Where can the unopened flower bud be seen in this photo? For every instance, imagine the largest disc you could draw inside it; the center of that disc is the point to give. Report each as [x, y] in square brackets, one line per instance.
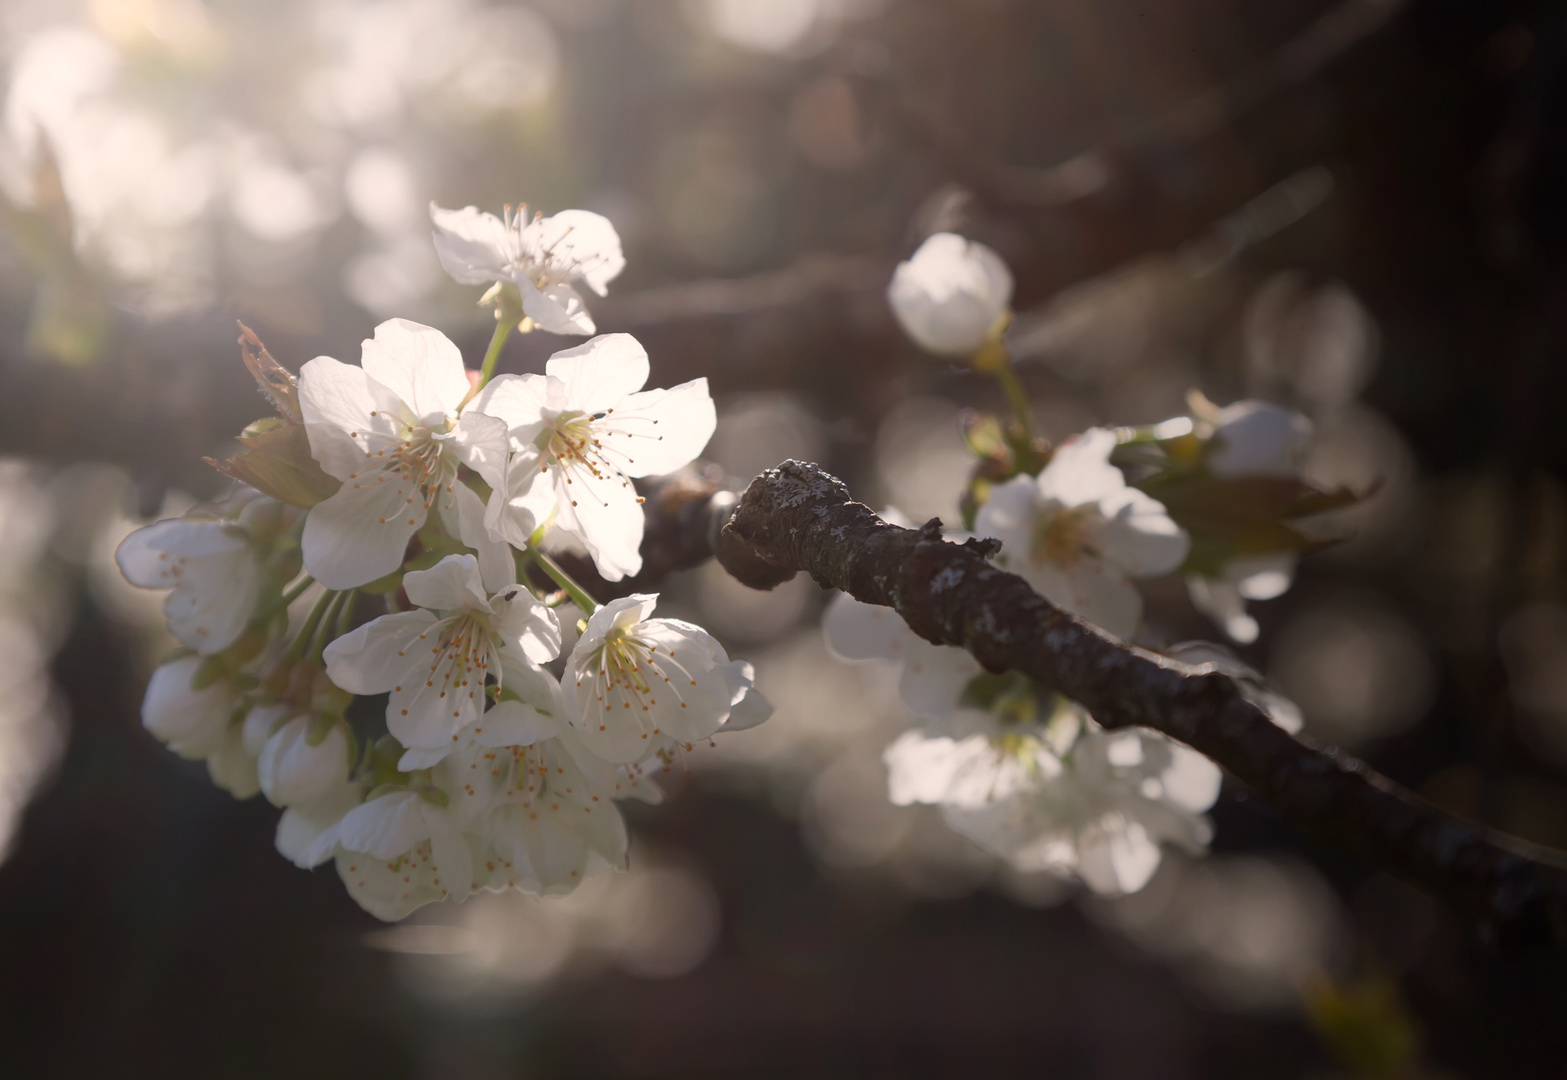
[952, 297]
[293, 771]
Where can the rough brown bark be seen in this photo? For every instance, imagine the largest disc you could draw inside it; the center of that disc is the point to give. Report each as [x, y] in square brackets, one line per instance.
[798, 517]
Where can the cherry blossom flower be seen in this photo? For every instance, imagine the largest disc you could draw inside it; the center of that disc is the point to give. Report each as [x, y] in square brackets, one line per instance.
[193, 722]
[1077, 532]
[581, 433]
[1250, 438]
[1250, 577]
[303, 761]
[1257, 438]
[546, 810]
[394, 432]
[307, 832]
[212, 568]
[1070, 798]
[543, 256]
[933, 677]
[952, 297]
[401, 850]
[636, 686]
[435, 659]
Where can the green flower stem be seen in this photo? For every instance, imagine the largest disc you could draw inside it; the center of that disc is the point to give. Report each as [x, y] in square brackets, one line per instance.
[346, 616]
[578, 594]
[1017, 396]
[497, 339]
[313, 620]
[285, 601]
[323, 630]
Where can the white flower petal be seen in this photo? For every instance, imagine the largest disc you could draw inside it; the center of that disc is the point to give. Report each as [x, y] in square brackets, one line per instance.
[193, 723]
[951, 295]
[582, 243]
[480, 442]
[526, 625]
[519, 400]
[598, 373]
[453, 584]
[212, 569]
[348, 415]
[515, 723]
[420, 365]
[1116, 856]
[471, 245]
[655, 432]
[463, 514]
[372, 658]
[1080, 472]
[556, 308]
[1138, 536]
[1255, 438]
[291, 771]
[307, 835]
[605, 516]
[385, 827]
[361, 533]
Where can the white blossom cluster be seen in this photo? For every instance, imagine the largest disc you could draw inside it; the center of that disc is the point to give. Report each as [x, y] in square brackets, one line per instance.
[514, 719]
[1026, 775]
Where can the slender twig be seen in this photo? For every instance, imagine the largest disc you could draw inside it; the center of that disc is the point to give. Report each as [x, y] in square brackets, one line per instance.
[797, 517]
[578, 594]
[503, 328]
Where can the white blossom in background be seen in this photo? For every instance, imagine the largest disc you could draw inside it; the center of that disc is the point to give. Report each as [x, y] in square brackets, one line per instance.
[192, 721]
[401, 850]
[933, 677]
[1250, 438]
[394, 431]
[635, 686]
[303, 761]
[212, 569]
[1249, 577]
[581, 433]
[1068, 797]
[1077, 533]
[953, 296]
[435, 659]
[545, 257]
[1256, 438]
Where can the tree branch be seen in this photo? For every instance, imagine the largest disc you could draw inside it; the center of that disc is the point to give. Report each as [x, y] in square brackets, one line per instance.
[798, 517]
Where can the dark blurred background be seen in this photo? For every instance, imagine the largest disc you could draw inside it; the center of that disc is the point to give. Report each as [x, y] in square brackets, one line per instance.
[1354, 208]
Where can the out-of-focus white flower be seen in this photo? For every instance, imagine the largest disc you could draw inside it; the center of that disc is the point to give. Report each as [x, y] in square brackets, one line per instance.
[394, 432]
[581, 432]
[952, 297]
[542, 256]
[933, 677]
[551, 822]
[402, 850]
[1250, 438]
[211, 567]
[232, 767]
[635, 686]
[434, 659]
[294, 768]
[1257, 438]
[1095, 805]
[307, 832]
[192, 722]
[1253, 577]
[1077, 532]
